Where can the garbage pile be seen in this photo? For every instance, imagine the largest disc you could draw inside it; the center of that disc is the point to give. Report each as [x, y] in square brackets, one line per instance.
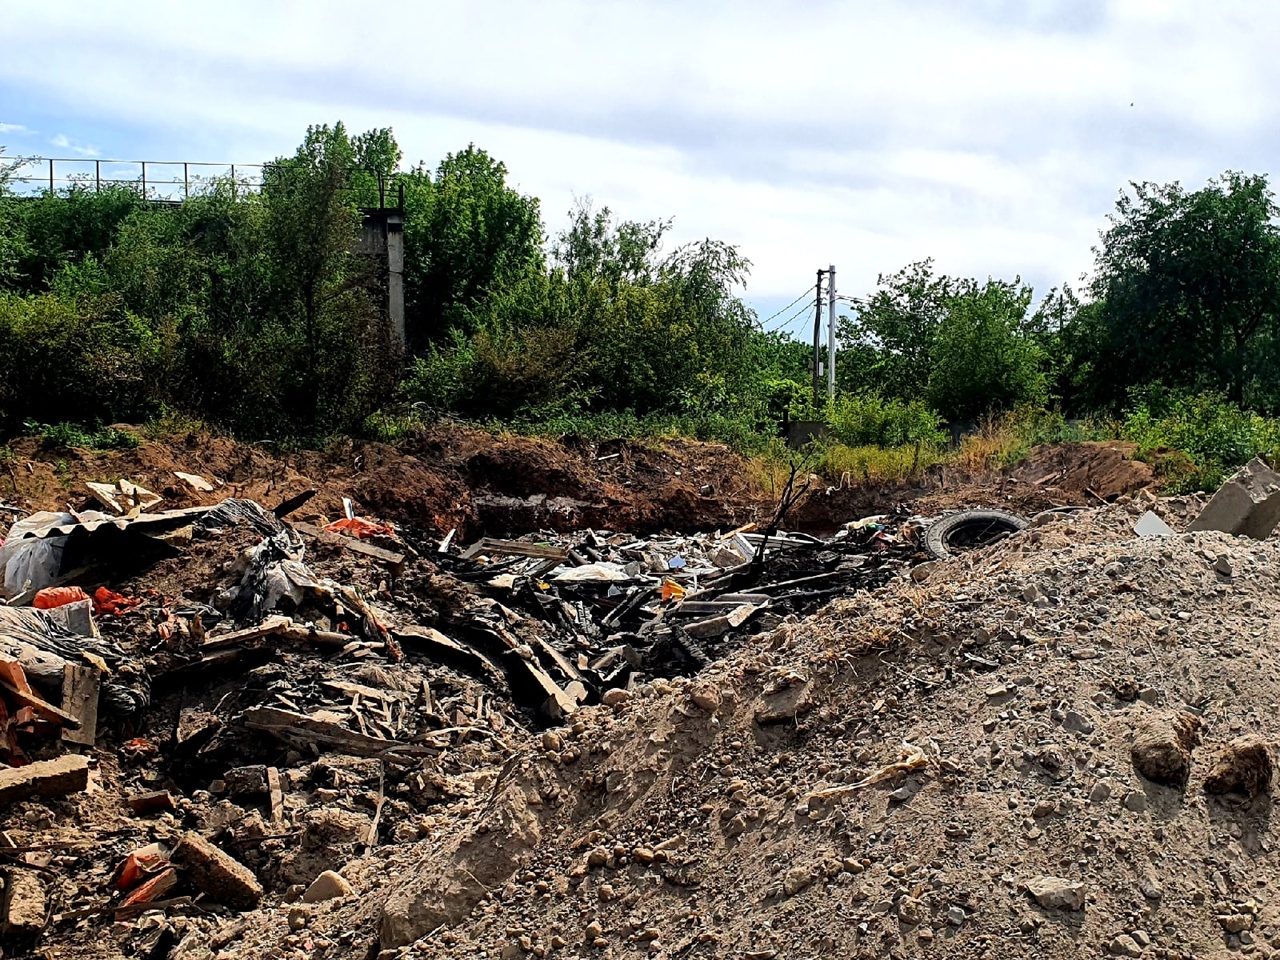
[258, 700]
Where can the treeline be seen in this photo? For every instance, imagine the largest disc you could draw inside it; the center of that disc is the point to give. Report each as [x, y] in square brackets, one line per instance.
[256, 312]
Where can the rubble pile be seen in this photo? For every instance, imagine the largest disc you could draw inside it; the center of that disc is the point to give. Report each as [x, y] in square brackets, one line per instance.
[214, 707]
[248, 736]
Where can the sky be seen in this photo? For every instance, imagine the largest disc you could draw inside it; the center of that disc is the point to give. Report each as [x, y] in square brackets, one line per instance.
[991, 135]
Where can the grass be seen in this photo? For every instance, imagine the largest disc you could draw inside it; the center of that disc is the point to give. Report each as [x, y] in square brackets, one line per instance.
[73, 436]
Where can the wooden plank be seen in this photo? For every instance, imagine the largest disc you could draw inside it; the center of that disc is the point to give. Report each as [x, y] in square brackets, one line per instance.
[348, 688]
[515, 548]
[44, 778]
[80, 689]
[388, 557]
[42, 708]
[300, 729]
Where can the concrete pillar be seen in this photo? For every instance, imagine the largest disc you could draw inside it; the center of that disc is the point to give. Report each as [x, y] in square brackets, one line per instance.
[395, 275]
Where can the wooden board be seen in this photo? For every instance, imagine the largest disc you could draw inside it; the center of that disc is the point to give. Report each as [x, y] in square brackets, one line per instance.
[388, 557]
[515, 548]
[80, 688]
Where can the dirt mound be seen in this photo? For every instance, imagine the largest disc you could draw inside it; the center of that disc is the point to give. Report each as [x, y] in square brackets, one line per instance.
[449, 477]
[946, 769]
[1069, 474]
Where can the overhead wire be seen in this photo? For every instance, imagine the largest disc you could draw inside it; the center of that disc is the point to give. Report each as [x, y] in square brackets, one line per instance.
[769, 319]
[803, 310]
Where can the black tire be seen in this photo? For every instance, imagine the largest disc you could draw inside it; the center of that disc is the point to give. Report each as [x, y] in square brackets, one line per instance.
[968, 530]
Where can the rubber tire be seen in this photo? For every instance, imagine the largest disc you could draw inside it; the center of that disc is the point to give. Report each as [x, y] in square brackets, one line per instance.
[936, 537]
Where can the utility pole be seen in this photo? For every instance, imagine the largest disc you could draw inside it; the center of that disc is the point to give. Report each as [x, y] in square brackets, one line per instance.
[817, 343]
[831, 332]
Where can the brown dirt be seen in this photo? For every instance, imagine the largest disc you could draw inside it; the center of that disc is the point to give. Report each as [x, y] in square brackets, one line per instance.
[507, 485]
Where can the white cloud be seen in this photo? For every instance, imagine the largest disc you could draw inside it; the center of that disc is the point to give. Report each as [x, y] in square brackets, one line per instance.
[993, 136]
[63, 142]
[16, 128]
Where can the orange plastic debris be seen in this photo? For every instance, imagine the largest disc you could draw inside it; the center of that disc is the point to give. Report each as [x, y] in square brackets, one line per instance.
[672, 590]
[51, 597]
[105, 602]
[360, 528]
[154, 888]
[139, 865]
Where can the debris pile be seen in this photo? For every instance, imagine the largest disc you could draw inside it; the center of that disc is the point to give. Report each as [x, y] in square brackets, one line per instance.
[354, 739]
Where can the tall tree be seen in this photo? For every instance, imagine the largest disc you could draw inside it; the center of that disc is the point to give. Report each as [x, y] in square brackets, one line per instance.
[1188, 284]
[467, 235]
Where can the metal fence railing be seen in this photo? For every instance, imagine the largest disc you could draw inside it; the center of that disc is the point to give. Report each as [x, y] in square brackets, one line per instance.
[158, 180]
[154, 179]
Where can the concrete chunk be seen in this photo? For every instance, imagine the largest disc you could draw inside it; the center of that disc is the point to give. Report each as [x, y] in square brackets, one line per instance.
[45, 778]
[1247, 505]
[24, 905]
[1150, 525]
[221, 876]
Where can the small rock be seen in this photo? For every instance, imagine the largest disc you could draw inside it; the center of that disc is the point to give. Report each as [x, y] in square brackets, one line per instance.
[796, 879]
[1236, 922]
[1162, 747]
[1141, 938]
[616, 697]
[1077, 722]
[643, 855]
[910, 911]
[1055, 893]
[955, 916]
[706, 697]
[1100, 793]
[1125, 946]
[594, 930]
[327, 886]
[1135, 801]
[1223, 566]
[299, 916]
[1151, 890]
[597, 857]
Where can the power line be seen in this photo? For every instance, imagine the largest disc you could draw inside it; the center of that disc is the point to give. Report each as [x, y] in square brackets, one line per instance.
[787, 307]
[803, 310]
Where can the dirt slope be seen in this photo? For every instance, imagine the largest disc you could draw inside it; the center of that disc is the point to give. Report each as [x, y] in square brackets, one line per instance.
[755, 812]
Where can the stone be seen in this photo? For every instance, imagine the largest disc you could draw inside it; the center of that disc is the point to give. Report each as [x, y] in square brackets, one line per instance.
[1243, 766]
[910, 911]
[594, 930]
[598, 857]
[1100, 793]
[328, 886]
[1246, 505]
[225, 879]
[1162, 745]
[706, 697]
[1150, 525]
[248, 781]
[1236, 922]
[1055, 893]
[25, 906]
[1125, 946]
[796, 879]
[1135, 801]
[44, 778]
[1223, 566]
[299, 916]
[616, 697]
[956, 916]
[1077, 723]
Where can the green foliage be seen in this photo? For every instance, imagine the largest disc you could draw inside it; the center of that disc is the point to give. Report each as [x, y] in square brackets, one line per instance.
[1188, 290]
[70, 436]
[1196, 440]
[982, 358]
[869, 420]
[75, 360]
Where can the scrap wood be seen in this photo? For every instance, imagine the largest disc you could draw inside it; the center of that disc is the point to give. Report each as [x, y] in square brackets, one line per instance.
[80, 689]
[302, 730]
[277, 625]
[389, 557]
[515, 548]
[911, 758]
[43, 709]
[153, 889]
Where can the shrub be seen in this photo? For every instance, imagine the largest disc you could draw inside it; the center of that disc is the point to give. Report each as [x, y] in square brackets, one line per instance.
[869, 420]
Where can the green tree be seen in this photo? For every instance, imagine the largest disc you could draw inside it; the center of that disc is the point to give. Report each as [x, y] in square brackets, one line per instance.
[467, 236]
[897, 324]
[984, 358]
[1188, 284]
